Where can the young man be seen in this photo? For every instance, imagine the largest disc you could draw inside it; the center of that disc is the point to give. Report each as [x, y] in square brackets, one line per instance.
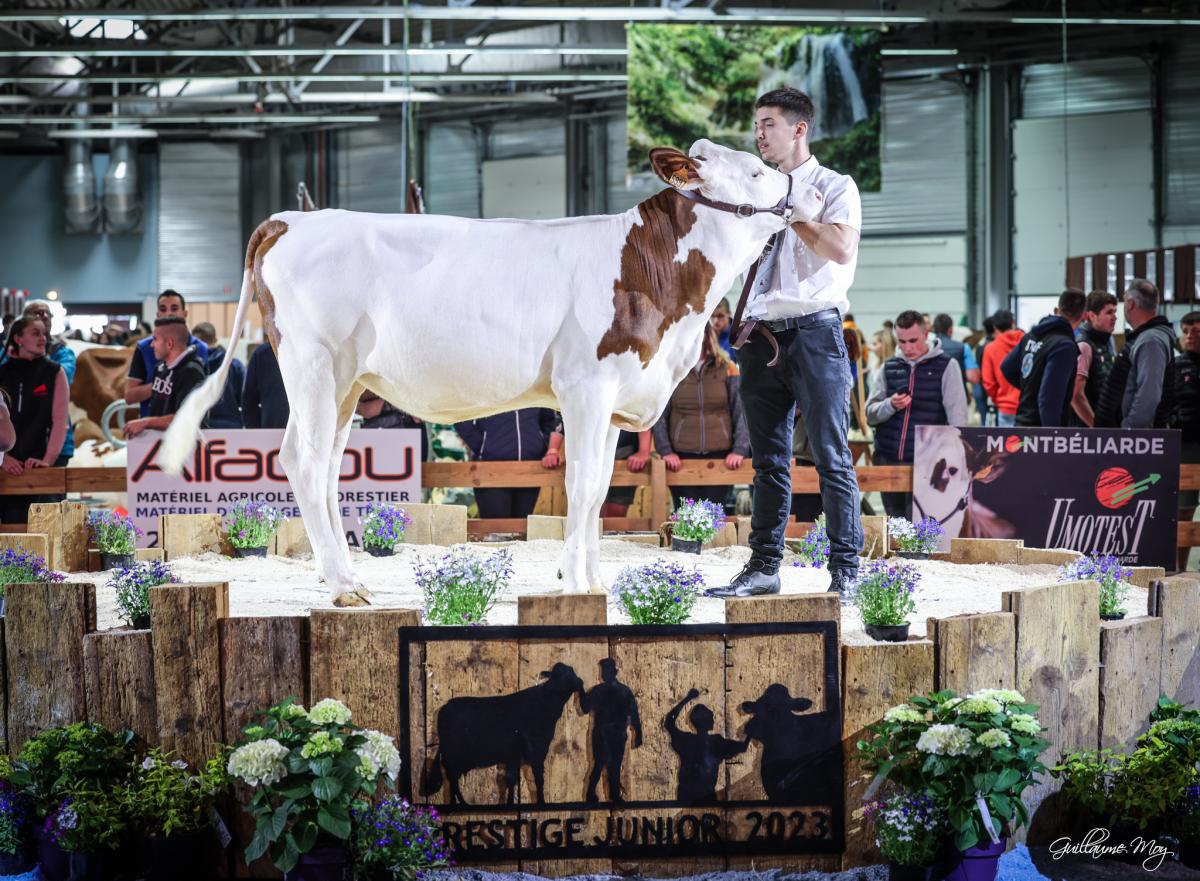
[1043, 365]
[1185, 414]
[227, 412]
[800, 295]
[1095, 356]
[180, 370]
[1140, 387]
[141, 367]
[921, 385]
[1004, 395]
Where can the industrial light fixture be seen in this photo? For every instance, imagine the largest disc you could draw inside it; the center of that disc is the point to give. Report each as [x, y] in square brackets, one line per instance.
[283, 51]
[115, 134]
[216, 119]
[51, 295]
[916, 52]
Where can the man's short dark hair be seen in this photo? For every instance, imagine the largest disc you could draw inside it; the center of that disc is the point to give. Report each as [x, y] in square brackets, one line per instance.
[989, 325]
[796, 106]
[1003, 319]
[1071, 303]
[1097, 300]
[176, 329]
[170, 293]
[205, 331]
[943, 323]
[909, 318]
[1190, 318]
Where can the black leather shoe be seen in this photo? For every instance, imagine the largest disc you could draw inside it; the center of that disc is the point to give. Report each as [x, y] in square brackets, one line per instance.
[841, 582]
[756, 579]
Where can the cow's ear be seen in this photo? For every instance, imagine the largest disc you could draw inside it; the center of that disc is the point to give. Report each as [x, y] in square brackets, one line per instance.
[675, 168]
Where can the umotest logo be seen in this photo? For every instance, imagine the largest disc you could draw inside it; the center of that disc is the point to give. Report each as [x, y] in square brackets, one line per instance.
[1076, 443]
[213, 461]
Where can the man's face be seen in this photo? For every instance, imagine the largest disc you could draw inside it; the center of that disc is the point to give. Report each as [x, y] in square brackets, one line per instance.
[773, 134]
[720, 321]
[41, 312]
[1105, 320]
[913, 341]
[159, 344]
[1191, 337]
[171, 307]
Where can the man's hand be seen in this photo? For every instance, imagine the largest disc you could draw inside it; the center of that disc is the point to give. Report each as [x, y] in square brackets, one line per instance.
[32, 463]
[901, 400]
[734, 461]
[13, 466]
[637, 461]
[672, 462]
[136, 427]
[552, 459]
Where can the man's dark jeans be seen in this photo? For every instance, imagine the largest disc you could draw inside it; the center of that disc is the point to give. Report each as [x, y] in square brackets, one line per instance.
[814, 373]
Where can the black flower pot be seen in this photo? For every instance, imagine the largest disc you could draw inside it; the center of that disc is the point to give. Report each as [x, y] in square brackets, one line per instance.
[16, 863]
[1117, 617]
[685, 546]
[326, 863]
[250, 552]
[897, 872]
[912, 555]
[377, 551]
[97, 865]
[184, 856]
[115, 561]
[1189, 854]
[52, 859]
[141, 622]
[888, 632]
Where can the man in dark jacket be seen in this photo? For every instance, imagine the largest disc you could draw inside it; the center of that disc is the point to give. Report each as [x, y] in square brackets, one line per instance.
[920, 385]
[264, 399]
[1096, 355]
[227, 412]
[1043, 365]
[179, 372]
[518, 435]
[1140, 387]
[1185, 414]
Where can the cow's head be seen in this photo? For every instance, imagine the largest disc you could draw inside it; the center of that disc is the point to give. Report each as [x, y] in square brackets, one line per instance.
[726, 175]
[562, 677]
[776, 700]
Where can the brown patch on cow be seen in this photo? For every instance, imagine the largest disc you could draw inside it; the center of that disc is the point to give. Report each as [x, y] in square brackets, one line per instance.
[655, 290]
[261, 242]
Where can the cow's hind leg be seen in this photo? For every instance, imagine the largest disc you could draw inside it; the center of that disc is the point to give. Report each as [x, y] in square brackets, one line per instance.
[592, 536]
[587, 412]
[345, 419]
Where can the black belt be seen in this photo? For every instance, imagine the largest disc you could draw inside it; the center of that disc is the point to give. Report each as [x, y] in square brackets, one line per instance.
[810, 320]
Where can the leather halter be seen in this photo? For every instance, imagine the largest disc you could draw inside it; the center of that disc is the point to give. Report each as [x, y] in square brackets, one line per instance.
[783, 208]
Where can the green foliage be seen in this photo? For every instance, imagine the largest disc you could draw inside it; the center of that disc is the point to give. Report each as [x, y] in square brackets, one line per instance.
[462, 587]
[75, 759]
[909, 828]
[163, 797]
[959, 749]
[89, 819]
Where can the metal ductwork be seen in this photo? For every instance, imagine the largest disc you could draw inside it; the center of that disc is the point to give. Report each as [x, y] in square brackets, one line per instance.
[79, 189]
[122, 200]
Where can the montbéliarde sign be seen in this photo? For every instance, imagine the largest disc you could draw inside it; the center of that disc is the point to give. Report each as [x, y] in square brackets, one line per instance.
[1093, 490]
[598, 741]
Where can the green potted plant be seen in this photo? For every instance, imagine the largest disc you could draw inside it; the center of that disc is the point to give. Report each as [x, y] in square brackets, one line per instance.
[250, 527]
[813, 549]
[462, 587]
[694, 524]
[16, 855]
[658, 593]
[883, 594]
[87, 827]
[973, 756]
[132, 584]
[115, 535]
[914, 541]
[909, 830]
[308, 770]
[1112, 577]
[168, 806]
[383, 528]
[19, 566]
[397, 841]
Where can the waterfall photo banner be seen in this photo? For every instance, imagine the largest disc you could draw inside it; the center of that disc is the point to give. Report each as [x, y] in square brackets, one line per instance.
[699, 81]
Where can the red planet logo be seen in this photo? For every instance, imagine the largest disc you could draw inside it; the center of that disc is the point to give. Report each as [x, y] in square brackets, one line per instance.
[1012, 443]
[1110, 483]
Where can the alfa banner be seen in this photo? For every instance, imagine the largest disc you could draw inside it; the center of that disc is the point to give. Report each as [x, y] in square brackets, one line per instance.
[1104, 491]
[379, 465]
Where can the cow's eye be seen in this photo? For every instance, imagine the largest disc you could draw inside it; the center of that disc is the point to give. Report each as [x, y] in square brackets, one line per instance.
[757, 174]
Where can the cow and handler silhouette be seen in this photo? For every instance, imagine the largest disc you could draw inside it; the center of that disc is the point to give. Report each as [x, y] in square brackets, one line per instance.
[516, 729]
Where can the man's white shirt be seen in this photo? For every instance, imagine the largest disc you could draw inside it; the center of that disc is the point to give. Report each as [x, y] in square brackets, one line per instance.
[798, 281]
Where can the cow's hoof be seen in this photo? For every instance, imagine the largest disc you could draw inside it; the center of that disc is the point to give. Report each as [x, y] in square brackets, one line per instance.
[361, 591]
[349, 601]
[596, 589]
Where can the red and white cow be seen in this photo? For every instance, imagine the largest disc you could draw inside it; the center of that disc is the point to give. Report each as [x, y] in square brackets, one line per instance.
[453, 319]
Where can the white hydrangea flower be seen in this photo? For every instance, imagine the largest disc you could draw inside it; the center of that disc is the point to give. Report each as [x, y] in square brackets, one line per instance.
[945, 740]
[378, 754]
[1003, 695]
[981, 706]
[994, 738]
[294, 711]
[1023, 723]
[903, 713]
[260, 763]
[329, 711]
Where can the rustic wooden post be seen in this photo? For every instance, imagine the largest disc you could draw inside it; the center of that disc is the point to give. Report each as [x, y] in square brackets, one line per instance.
[187, 666]
[119, 681]
[1130, 678]
[44, 629]
[973, 651]
[660, 496]
[1176, 600]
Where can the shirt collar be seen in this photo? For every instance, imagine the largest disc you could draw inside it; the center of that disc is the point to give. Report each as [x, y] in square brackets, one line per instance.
[806, 169]
[171, 365]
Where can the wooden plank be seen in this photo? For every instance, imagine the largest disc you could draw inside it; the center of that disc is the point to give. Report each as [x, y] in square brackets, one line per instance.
[119, 681]
[44, 629]
[95, 480]
[1046, 556]
[1057, 668]
[754, 663]
[878, 676]
[974, 651]
[264, 662]
[1176, 600]
[985, 550]
[3, 692]
[1188, 534]
[46, 518]
[33, 543]
[185, 619]
[660, 496]
[528, 473]
[35, 482]
[1141, 576]
[564, 781]
[436, 524]
[75, 536]
[1130, 678]
[186, 535]
[291, 540]
[875, 538]
[344, 644]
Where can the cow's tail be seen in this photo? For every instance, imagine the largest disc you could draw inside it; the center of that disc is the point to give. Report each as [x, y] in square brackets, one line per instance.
[181, 435]
[433, 776]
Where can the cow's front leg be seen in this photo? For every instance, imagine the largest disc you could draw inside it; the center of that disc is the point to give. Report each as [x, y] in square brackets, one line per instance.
[592, 536]
[587, 414]
[512, 774]
[539, 775]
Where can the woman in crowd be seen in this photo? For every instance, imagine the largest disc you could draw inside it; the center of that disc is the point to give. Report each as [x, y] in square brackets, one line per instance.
[530, 433]
[704, 419]
[38, 395]
[883, 347]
